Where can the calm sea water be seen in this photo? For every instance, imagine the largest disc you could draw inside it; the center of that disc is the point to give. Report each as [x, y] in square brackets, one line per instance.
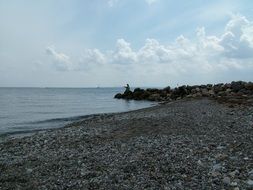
[25, 110]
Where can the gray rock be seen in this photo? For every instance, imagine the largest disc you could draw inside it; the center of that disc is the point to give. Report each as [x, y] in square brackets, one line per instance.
[217, 167]
[154, 97]
[250, 183]
[226, 180]
[215, 174]
[171, 146]
[233, 173]
[251, 174]
[233, 184]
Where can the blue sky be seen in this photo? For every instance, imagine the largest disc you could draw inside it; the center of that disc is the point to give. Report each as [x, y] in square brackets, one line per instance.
[83, 43]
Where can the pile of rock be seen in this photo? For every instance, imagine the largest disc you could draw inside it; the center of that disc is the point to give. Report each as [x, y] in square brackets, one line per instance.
[233, 89]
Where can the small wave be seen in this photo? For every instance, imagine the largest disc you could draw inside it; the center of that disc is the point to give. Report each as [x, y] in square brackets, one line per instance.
[60, 120]
[19, 132]
[4, 117]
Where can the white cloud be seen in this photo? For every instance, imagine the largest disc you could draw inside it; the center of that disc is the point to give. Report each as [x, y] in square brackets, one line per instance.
[238, 38]
[60, 60]
[196, 60]
[123, 54]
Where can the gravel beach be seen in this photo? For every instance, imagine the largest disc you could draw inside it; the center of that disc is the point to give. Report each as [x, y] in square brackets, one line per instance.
[185, 144]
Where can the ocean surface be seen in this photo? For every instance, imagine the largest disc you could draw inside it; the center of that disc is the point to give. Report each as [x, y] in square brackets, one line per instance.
[26, 110]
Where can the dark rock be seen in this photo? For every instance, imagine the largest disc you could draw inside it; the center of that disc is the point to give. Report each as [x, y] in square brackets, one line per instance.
[218, 87]
[190, 88]
[145, 95]
[209, 86]
[249, 86]
[222, 91]
[138, 90]
[138, 94]
[204, 92]
[154, 97]
[245, 91]
[179, 92]
[237, 86]
[167, 89]
[163, 93]
[153, 90]
[118, 96]
[128, 95]
[202, 86]
[194, 90]
[227, 85]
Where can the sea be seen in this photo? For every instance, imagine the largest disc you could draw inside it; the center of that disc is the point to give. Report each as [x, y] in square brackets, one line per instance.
[27, 110]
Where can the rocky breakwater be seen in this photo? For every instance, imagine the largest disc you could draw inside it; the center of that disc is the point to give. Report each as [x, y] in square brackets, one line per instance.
[234, 92]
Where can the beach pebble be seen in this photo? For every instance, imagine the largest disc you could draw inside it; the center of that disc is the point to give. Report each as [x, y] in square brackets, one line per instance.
[217, 167]
[250, 182]
[233, 184]
[200, 163]
[215, 174]
[29, 170]
[251, 174]
[170, 146]
[221, 157]
[226, 180]
[233, 173]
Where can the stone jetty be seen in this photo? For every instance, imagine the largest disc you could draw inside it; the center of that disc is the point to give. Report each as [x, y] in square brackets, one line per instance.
[235, 92]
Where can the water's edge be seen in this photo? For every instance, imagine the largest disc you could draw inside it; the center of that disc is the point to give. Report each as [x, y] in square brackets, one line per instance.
[29, 110]
[70, 121]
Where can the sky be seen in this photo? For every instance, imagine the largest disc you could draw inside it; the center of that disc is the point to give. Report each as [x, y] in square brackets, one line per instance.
[108, 43]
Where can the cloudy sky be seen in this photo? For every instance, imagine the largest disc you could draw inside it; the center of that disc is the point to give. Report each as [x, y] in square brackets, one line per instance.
[108, 43]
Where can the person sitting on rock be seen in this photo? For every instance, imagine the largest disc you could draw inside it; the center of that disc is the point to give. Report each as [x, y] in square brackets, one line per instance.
[127, 87]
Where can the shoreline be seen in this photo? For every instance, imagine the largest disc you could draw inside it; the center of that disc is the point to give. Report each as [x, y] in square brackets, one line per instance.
[20, 134]
[194, 144]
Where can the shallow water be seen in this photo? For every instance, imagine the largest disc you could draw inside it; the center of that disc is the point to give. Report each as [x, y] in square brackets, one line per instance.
[23, 110]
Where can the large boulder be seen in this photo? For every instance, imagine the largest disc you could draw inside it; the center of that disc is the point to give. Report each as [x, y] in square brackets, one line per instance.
[211, 93]
[244, 91]
[203, 86]
[227, 85]
[237, 86]
[209, 86]
[167, 89]
[154, 97]
[198, 94]
[204, 92]
[194, 90]
[163, 93]
[249, 86]
[179, 92]
[153, 90]
[222, 93]
[218, 88]
[138, 94]
[138, 90]
[228, 91]
[128, 95]
[118, 96]
[145, 95]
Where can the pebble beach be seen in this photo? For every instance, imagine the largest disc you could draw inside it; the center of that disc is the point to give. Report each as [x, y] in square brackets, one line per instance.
[185, 144]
